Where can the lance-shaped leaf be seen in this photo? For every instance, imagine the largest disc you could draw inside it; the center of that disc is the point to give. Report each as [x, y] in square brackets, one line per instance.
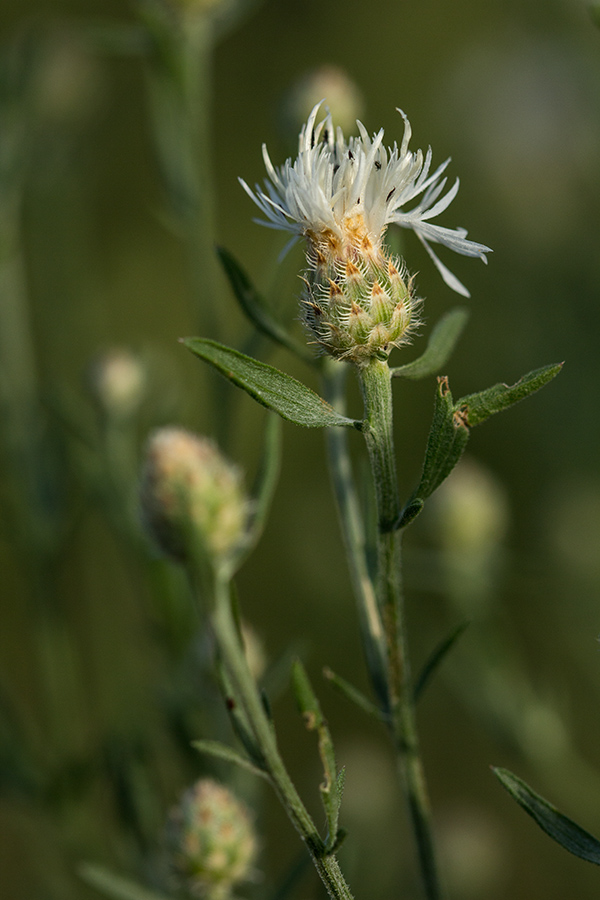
[476, 408]
[332, 787]
[447, 439]
[228, 754]
[279, 392]
[560, 828]
[439, 348]
[257, 311]
[437, 657]
[352, 693]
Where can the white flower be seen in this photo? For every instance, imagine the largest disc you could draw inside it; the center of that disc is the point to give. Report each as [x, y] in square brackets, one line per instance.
[342, 195]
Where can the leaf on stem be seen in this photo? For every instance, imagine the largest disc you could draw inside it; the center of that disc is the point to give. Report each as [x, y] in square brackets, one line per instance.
[274, 389]
[447, 440]
[439, 347]
[104, 881]
[331, 789]
[560, 828]
[353, 694]
[228, 754]
[439, 654]
[256, 310]
[476, 408]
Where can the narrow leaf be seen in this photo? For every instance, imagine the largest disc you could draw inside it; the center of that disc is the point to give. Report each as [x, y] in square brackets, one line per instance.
[279, 392]
[479, 407]
[114, 886]
[354, 695]
[438, 655]
[447, 440]
[315, 721]
[228, 754]
[441, 344]
[561, 829]
[255, 308]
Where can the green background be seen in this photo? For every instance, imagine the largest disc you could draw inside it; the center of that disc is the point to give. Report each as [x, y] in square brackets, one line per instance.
[510, 90]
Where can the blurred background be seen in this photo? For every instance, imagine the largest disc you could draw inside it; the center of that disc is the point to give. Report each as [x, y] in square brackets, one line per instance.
[123, 130]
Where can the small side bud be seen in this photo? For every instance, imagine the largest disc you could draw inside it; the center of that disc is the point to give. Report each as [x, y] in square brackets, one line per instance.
[210, 840]
[117, 381]
[190, 493]
[344, 98]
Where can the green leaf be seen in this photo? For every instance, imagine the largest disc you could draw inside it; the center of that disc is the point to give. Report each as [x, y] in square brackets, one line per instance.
[255, 308]
[228, 754]
[447, 440]
[352, 693]
[331, 789]
[114, 886]
[439, 348]
[438, 655]
[476, 408]
[561, 829]
[279, 392]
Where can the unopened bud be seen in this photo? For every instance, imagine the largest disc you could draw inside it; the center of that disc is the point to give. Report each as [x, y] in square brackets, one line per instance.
[210, 840]
[344, 98]
[118, 380]
[189, 492]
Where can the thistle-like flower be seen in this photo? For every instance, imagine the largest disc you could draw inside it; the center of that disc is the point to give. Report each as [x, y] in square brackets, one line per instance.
[342, 194]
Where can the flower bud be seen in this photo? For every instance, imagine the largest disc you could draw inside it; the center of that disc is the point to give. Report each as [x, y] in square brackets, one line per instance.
[189, 493]
[211, 840]
[118, 380]
[344, 98]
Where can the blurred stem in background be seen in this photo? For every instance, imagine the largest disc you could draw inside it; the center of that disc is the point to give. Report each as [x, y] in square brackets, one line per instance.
[35, 488]
[179, 78]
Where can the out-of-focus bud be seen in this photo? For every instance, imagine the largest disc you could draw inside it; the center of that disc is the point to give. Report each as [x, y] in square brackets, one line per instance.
[473, 851]
[191, 494]
[472, 515]
[471, 508]
[210, 840]
[69, 83]
[344, 99]
[118, 381]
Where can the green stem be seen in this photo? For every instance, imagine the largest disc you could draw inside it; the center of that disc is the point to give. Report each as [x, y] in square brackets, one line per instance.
[353, 531]
[231, 649]
[375, 380]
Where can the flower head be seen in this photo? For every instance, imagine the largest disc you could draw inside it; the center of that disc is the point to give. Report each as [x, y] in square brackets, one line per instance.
[211, 841]
[190, 492]
[342, 194]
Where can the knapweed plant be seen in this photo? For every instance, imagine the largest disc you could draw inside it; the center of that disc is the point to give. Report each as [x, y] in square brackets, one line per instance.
[359, 306]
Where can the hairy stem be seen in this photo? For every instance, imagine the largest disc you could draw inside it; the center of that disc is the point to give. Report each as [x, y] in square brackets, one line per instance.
[375, 380]
[248, 695]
